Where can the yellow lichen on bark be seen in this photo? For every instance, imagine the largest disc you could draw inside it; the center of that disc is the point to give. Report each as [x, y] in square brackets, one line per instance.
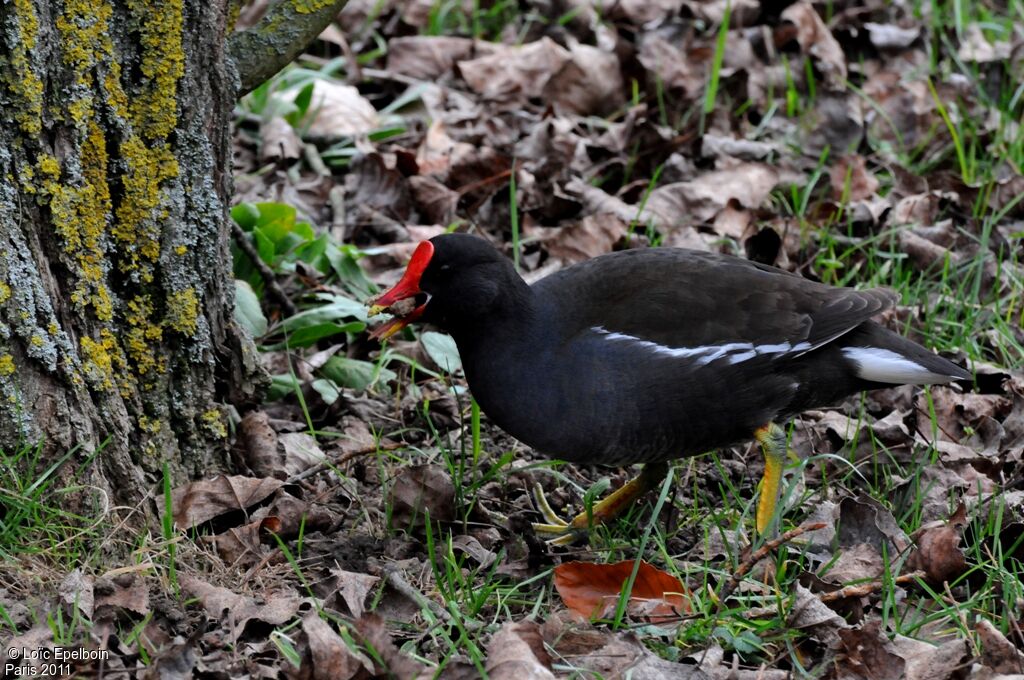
[183, 311]
[6, 365]
[310, 6]
[25, 83]
[155, 112]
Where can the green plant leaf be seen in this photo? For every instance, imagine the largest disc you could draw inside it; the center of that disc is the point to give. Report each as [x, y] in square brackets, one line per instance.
[247, 215]
[307, 335]
[355, 374]
[247, 309]
[441, 349]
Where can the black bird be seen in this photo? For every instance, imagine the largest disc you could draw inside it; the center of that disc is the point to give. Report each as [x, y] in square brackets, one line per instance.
[648, 355]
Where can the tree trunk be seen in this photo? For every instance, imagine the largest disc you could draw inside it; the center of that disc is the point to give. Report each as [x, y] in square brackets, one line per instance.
[116, 297]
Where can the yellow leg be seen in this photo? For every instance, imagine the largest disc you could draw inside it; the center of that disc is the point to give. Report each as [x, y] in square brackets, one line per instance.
[606, 509]
[773, 443]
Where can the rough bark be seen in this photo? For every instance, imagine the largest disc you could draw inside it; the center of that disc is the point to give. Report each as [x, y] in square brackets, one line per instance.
[115, 291]
[280, 35]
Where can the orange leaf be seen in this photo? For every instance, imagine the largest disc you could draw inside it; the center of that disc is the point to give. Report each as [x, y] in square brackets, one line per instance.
[592, 590]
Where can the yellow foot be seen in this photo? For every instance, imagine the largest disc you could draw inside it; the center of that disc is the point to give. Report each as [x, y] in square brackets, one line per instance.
[605, 510]
[773, 443]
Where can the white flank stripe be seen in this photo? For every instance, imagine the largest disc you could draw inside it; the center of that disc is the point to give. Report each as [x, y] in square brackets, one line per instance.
[733, 352]
[883, 365]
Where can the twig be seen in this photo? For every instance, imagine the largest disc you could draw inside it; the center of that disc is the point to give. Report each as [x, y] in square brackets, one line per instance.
[269, 279]
[397, 581]
[868, 588]
[344, 458]
[760, 554]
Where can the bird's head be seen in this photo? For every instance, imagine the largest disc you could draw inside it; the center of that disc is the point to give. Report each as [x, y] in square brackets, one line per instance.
[452, 279]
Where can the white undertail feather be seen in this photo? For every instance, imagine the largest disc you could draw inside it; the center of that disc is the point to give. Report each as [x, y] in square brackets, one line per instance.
[886, 366]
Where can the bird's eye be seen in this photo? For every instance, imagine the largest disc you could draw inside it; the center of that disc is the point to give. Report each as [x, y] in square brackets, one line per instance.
[446, 267]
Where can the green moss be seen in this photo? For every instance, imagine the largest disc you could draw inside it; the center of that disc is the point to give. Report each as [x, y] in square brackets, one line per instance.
[5, 293]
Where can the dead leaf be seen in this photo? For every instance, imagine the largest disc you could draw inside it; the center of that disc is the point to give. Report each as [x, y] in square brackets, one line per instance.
[353, 588]
[76, 591]
[432, 57]
[590, 82]
[977, 48]
[938, 551]
[338, 110]
[275, 609]
[419, 490]
[998, 653]
[279, 141]
[125, 591]
[516, 652]
[592, 236]
[688, 203]
[301, 452]
[198, 502]
[395, 664]
[332, 659]
[515, 70]
[851, 179]
[257, 444]
[592, 590]
[815, 39]
[891, 37]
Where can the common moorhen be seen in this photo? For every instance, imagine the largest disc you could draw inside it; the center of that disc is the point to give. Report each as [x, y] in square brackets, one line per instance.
[647, 355]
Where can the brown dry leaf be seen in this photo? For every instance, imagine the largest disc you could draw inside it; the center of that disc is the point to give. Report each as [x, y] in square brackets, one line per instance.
[671, 66]
[279, 141]
[396, 665]
[640, 11]
[435, 202]
[374, 182]
[891, 37]
[733, 221]
[338, 110]
[977, 48]
[865, 520]
[865, 652]
[592, 236]
[851, 179]
[938, 551]
[332, 659]
[419, 490]
[515, 70]
[592, 590]
[301, 452]
[516, 652]
[198, 502]
[856, 563]
[998, 653]
[275, 609]
[257, 444]
[240, 546]
[353, 588]
[687, 203]
[125, 591]
[590, 82]
[432, 57]
[815, 39]
[810, 613]
[438, 151]
[76, 591]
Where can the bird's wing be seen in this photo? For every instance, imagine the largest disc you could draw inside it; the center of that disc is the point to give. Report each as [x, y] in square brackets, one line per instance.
[688, 300]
